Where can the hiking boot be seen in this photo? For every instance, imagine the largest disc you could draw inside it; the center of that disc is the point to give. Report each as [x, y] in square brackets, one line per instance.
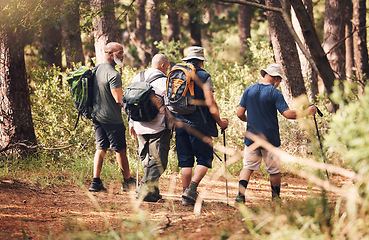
[240, 199]
[127, 184]
[96, 187]
[187, 202]
[190, 195]
[152, 197]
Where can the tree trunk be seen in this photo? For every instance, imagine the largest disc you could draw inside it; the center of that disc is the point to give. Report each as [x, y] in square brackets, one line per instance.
[349, 44]
[155, 25]
[360, 47]
[173, 21]
[285, 53]
[72, 33]
[334, 32]
[105, 26]
[51, 34]
[309, 74]
[195, 23]
[244, 28]
[140, 39]
[15, 119]
[311, 39]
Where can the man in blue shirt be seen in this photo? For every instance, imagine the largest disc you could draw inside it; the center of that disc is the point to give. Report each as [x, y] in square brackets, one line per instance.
[261, 101]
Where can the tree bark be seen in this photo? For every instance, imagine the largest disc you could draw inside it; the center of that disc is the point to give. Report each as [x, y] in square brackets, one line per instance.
[309, 74]
[334, 31]
[349, 43]
[71, 32]
[155, 25]
[173, 21]
[360, 43]
[311, 39]
[195, 23]
[140, 34]
[15, 112]
[244, 28]
[285, 53]
[105, 26]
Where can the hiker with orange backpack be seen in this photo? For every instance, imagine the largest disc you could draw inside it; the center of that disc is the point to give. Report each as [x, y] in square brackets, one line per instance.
[198, 117]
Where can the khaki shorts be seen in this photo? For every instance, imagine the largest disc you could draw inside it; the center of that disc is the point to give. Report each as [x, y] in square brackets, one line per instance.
[252, 161]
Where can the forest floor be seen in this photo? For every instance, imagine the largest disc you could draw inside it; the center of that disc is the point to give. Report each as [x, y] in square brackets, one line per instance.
[28, 211]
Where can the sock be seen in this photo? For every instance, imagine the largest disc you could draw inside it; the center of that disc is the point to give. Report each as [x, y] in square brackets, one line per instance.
[193, 185]
[275, 191]
[242, 187]
[127, 179]
[97, 180]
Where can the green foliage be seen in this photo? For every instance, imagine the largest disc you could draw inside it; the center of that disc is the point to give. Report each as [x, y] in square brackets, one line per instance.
[19, 18]
[171, 49]
[349, 130]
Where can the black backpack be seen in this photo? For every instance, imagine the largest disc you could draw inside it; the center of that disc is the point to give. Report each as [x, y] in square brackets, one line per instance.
[137, 99]
[81, 83]
[180, 89]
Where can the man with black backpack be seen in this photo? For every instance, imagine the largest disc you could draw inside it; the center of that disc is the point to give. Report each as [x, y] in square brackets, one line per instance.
[203, 120]
[107, 116]
[153, 135]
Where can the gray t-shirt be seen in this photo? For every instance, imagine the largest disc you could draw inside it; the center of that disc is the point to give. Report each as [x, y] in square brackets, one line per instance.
[105, 108]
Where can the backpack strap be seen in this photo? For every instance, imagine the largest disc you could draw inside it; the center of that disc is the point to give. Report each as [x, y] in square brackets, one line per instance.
[142, 76]
[151, 79]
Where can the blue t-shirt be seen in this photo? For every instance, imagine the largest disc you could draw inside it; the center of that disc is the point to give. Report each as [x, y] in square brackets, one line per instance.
[262, 102]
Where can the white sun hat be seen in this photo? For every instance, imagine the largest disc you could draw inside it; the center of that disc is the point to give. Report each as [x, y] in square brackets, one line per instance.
[195, 52]
[273, 70]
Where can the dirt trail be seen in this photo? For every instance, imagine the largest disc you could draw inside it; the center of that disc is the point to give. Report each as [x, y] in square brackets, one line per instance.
[28, 210]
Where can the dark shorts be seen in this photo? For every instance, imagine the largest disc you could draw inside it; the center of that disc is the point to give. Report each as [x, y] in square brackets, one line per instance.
[189, 147]
[110, 135]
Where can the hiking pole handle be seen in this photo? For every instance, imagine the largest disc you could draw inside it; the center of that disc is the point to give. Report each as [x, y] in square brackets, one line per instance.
[317, 110]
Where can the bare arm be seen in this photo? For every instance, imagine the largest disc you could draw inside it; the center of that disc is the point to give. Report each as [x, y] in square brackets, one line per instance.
[214, 110]
[241, 113]
[292, 114]
[117, 95]
[289, 114]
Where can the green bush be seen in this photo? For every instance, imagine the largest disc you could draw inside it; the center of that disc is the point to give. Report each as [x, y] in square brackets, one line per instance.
[349, 131]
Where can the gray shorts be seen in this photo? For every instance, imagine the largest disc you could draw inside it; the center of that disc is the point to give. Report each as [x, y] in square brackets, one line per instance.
[110, 135]
[252, 160]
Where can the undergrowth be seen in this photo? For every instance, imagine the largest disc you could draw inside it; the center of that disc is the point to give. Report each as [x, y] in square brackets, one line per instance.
[344, 139]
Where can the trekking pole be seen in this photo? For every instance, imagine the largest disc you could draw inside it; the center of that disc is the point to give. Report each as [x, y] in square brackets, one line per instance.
[320, 141]
[225, 164]
[138, 166]
[217, 156]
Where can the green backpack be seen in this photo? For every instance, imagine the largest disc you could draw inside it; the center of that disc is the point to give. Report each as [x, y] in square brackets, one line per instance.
[81, 83]
[137, 99]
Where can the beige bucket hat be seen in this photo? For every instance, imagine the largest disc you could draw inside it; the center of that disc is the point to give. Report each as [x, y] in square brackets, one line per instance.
[273, 70]
[195, 52]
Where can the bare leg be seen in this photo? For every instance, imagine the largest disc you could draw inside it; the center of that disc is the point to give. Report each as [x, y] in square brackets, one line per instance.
[123, 163]
[275, 179]
[245, 174]
[199, 173]
[98, 161]
[186, 175]
[275, 182]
